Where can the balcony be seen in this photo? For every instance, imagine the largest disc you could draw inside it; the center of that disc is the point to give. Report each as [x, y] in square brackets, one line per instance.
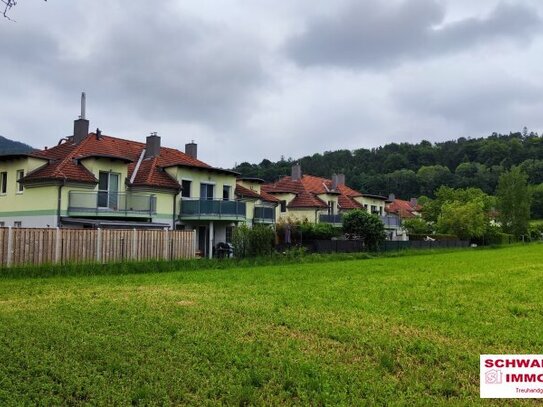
[336, 220]
[111, 204]
[212, 209]
[264, 214]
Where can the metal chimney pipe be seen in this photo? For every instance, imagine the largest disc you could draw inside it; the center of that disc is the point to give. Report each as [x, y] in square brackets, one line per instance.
[83, 105]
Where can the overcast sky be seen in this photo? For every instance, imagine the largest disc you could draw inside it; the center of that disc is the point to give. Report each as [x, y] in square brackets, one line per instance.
[254, 79]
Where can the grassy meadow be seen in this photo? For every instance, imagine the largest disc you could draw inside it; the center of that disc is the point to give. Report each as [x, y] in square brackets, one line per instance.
[386, 331]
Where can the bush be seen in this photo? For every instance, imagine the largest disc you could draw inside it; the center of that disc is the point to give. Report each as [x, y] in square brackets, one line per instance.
[361, 225]
[536, 232]
[417, 226]
[319, 231]
[252, 242]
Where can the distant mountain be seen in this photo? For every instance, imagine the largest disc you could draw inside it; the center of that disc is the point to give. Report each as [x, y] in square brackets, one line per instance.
[8, 146]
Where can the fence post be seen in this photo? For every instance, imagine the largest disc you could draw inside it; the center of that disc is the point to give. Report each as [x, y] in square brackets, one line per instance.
[98, 244]
[134, 244]
[193, 253]
[10, 247]
[57, 245]
[165, 254]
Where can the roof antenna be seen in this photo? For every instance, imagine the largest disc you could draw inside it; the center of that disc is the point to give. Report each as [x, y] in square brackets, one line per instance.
[83, 105]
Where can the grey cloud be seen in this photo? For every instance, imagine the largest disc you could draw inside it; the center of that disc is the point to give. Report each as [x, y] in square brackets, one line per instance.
[152, 61]
[376, 34]
[477, 100]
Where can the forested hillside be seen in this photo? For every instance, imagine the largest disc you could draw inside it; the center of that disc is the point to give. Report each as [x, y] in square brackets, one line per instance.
[411, 170]
[9, 146]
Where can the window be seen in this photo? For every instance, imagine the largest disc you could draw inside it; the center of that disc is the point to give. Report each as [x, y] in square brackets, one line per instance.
[283, 206]
[186, 185]
[20, 175]
[226, 192]
[206, 191]
[108, 190]
[17, 224]
[374, 209]
[2, 224]
[3, 183]
[229, 230]
[330, 207]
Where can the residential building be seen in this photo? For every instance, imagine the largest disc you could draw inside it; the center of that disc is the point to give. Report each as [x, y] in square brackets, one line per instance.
[404, 209]
[261, 206]
[94, 180]
[315, 199]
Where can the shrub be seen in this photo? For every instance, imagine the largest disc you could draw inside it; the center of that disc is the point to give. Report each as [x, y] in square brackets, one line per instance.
[361, 225]
[252, 242]
[261, 240]
[240, 240]
[319, 231]
[417, 226]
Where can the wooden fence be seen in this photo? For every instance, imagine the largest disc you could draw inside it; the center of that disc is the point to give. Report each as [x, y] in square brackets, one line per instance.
[21, 246]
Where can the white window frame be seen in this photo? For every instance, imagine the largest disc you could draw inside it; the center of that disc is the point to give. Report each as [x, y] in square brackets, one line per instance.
[229, 192]
[18, 186]
[3, 183]
[214, 191]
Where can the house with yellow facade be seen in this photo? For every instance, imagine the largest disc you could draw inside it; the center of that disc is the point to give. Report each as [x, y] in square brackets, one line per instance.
[307, 198]
[92, 180]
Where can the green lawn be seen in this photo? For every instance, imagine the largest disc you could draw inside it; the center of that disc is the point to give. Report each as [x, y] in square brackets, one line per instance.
[394, 331]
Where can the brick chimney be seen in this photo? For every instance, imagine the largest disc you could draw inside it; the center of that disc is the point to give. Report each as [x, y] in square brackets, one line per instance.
[81, 125]
[152, 146]
[413, 202]
[391, 197]
[296, 172]
[334, 182]
[191, 149]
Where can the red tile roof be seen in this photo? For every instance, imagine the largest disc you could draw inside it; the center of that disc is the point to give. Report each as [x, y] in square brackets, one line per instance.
[403, 208]
[64, 161]
[268, 197]
[243, 192]
[306, 200]
[308, 187]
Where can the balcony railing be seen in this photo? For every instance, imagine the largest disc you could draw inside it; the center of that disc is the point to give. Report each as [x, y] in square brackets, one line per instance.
[111, 204]
[210, 209]
[264, 214]
[334, 219]
[391, 221]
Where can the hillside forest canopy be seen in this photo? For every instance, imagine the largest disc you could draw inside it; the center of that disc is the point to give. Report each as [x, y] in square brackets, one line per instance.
[412, 170]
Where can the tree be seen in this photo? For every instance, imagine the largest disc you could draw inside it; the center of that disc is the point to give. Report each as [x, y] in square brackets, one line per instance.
[367, 227]
[465, 220]
[432, 177]
[8, 4]
[514, 200]
[417, 226]
[537, 201]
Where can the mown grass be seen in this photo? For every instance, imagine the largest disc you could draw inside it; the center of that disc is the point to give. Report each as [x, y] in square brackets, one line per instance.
[404, 330]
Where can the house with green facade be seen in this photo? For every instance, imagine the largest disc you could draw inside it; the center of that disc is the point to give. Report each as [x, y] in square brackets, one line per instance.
[92, 180]
[307, 198]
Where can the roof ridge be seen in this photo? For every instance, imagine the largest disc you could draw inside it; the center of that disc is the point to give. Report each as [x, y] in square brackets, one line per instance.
[70, 155]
